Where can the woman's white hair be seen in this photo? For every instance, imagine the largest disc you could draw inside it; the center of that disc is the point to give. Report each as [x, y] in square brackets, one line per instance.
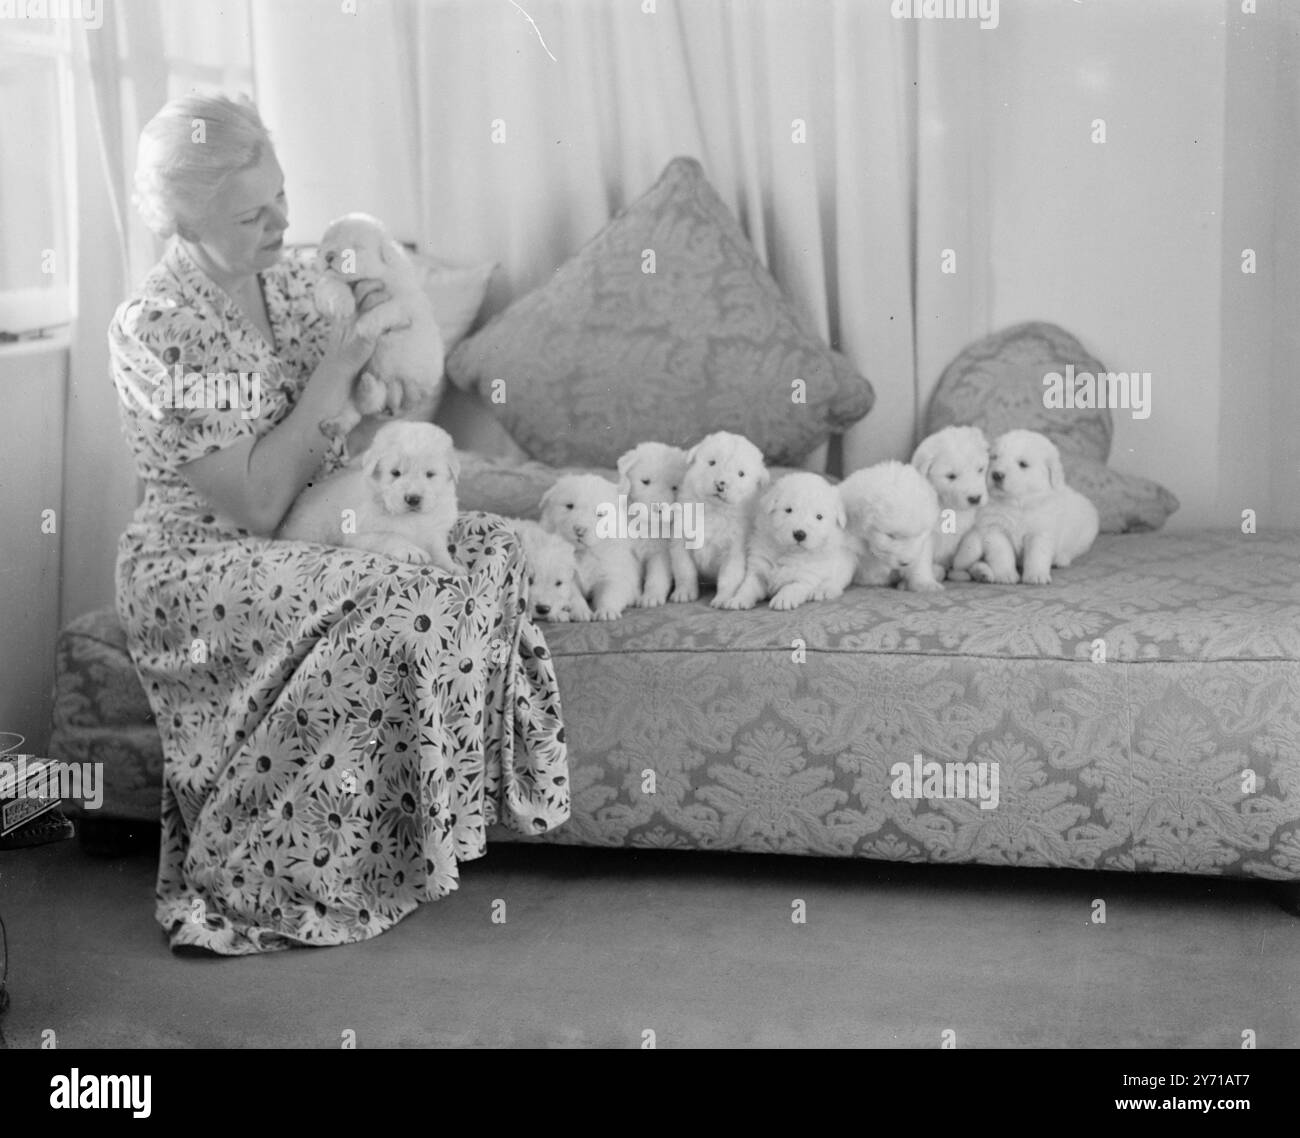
[186, 151]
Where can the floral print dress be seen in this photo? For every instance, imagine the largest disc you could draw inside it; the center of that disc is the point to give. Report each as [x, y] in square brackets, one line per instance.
[339, 728]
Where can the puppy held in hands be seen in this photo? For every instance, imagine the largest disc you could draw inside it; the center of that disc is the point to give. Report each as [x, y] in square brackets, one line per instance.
[651, 476]
[799, 549]
[1033, 520]
[405, 372]
[956, 462]
[581, 508]
[553, 590]
[397, 498]
[892, 514]
[724, 475]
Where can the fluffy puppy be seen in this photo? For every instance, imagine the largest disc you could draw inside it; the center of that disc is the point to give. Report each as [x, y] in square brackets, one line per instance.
[651, 475]
[1033, 519]
[553, 590]
[405, 372]
[581, 508]
[724, 474]
[398, 497]
[799, 549]
[892, 513]
[956, 461]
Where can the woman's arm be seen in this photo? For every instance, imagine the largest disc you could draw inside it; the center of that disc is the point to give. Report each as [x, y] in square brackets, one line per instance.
[254, 482]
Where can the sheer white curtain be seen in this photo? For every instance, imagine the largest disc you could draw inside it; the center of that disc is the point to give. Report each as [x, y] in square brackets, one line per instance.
[393, 109]
[146, 52]
[920, 136]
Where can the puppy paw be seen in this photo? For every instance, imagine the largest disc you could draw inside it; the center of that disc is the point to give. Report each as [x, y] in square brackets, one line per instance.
[926, 586]
[733, 603]
[408, 551]
[981, 571]
[783, 603]
[606, 612]
[650, 600]
[1036, 577]
[682, 596]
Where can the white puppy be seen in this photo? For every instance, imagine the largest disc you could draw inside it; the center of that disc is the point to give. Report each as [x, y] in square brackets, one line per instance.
[1033, 519]
[956, 461]
[651, 475]
[553, 590]
[892, 513]
[405, 372]
[397, 498]
[724, 474]
[799, 550]
[582, 509]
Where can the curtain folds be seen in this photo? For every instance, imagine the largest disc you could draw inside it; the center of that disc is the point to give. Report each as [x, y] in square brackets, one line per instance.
[802, 114]
[854, 148]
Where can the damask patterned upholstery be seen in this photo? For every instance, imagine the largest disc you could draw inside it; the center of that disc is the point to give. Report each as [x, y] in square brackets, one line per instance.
[1179, 751]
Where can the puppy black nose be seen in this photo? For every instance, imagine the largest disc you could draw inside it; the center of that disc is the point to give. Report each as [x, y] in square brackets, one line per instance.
[997, 476]
[974, 499]
[542, 610]
[413, 500]
[719, 486]
[799, 534]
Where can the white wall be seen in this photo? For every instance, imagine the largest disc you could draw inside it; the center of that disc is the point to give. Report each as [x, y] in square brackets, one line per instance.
[1120, 241]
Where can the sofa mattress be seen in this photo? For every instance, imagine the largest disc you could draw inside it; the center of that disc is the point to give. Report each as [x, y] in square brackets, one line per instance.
[1142, 713]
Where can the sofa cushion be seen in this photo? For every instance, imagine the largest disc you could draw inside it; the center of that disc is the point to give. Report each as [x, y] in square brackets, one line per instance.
[96, 684]
[606, 354]
[997, 384]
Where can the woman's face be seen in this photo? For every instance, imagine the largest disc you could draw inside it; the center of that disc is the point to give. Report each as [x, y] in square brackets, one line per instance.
[243, 232]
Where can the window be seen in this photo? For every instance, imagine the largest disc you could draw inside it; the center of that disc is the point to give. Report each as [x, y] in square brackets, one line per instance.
[36, 175]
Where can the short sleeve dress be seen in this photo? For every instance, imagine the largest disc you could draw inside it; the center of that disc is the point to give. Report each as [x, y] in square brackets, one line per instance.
[338, 728]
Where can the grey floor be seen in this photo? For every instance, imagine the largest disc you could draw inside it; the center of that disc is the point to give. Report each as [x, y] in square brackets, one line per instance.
[599, 947]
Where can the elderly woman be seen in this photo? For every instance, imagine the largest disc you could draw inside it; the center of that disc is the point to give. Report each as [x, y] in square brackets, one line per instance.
[338, 728]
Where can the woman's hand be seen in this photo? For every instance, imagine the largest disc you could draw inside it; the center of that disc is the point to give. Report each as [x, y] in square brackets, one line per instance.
[256, 481]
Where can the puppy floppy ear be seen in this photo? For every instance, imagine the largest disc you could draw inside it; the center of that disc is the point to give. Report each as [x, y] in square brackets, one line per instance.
[1055, 471]
[624, 478]
[371, 459]
[390, 252]
[546, 500]
[841, 514]
[924, 456]
[453, 467]
[764, 475]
